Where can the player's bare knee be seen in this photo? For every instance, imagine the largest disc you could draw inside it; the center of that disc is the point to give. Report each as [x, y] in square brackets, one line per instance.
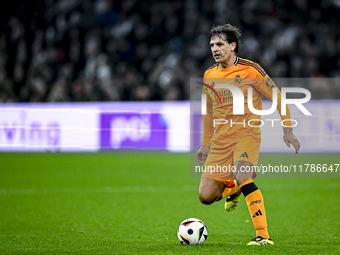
[210, 190]
[205, 198]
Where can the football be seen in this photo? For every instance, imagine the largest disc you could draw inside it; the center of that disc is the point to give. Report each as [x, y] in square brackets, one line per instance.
[192, 231]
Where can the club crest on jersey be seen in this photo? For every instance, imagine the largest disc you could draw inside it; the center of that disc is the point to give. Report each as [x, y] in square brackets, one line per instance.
[237, 79]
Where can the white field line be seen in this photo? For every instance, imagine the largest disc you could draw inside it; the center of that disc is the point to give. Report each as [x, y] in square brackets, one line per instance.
[100, 190]
[138, 189]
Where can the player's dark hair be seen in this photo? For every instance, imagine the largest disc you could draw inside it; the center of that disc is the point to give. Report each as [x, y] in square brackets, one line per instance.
[229, 33]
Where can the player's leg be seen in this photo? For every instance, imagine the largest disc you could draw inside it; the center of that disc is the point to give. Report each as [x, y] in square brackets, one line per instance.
[254, 200]
[217, 182]
[245, 157]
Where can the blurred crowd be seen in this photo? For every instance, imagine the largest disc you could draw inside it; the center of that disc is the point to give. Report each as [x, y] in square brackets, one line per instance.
[131, 50]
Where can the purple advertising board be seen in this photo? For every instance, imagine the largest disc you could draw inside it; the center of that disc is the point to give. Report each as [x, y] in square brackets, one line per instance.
[147, 125]
[132, 130]
[95, 126]
[144, 125]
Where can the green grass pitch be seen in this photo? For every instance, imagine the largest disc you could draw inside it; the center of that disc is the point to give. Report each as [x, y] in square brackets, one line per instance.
[133, 202]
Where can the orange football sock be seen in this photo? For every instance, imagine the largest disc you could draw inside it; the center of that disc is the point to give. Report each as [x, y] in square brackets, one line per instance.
[256, 209]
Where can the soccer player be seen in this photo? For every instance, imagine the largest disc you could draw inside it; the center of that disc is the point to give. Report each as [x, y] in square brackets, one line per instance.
[237, 145]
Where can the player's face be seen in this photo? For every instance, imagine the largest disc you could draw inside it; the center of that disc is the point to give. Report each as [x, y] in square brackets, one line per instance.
[221, 50]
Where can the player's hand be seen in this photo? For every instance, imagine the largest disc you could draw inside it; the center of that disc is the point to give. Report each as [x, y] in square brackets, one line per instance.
[202, 154]
[289, 138]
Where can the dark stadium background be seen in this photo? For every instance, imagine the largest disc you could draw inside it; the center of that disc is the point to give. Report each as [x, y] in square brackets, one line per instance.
[115, 56]
[102, 50]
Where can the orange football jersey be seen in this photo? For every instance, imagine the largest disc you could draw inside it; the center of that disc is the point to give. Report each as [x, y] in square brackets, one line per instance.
[243, 74]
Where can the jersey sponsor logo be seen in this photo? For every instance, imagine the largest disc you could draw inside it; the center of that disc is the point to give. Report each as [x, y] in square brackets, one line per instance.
[255, 202]
[258, 213]
[244, 155]
[238, 99]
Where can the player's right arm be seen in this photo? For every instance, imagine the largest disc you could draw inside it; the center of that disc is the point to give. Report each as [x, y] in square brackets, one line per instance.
[202, 154]
[208, 131]
[208, 122]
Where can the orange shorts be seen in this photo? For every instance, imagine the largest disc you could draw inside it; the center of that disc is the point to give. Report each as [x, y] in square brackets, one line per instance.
[221, 160]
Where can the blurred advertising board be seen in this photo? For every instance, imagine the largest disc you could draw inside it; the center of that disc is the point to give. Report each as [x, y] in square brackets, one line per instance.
[148, 125]
[152, 126]
[94, 126]
[48, 127]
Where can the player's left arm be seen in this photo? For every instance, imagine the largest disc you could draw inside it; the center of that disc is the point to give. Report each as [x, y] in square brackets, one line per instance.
[265, 86]
[289, 138]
